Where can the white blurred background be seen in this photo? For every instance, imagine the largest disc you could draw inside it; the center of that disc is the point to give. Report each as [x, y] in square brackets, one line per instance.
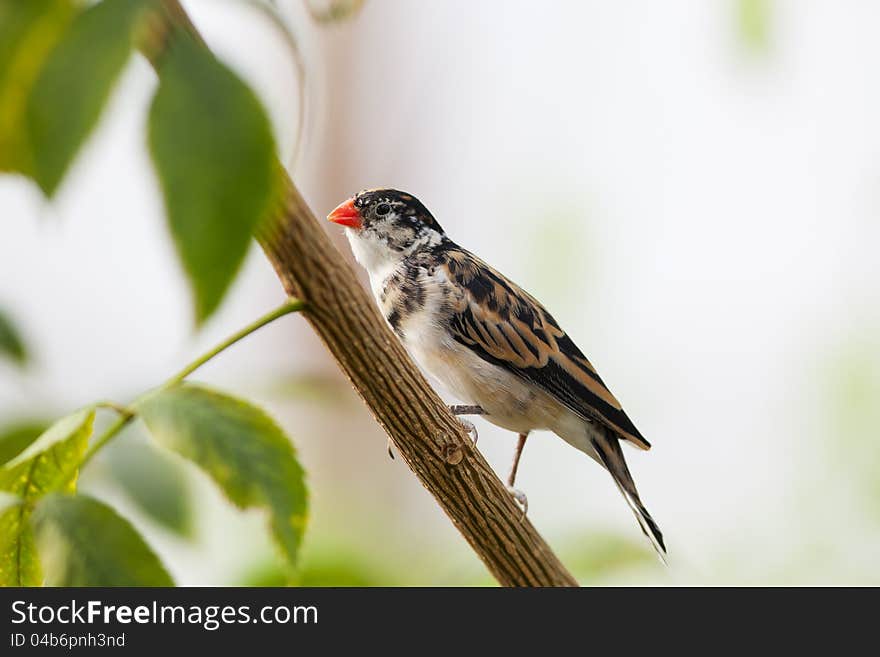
[692, 188]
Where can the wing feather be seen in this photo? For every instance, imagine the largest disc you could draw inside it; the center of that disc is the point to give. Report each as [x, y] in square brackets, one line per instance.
[506, 326]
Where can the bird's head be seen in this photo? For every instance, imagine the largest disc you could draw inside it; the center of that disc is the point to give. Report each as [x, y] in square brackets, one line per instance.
[385, 225]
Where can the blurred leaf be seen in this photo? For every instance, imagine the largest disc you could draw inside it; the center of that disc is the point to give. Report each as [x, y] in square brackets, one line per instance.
[155, 483]
[83, 542]
[327, 564]
[19, 565]
[310, 387]
[68, 96]
[753, 23]
[599, 555]
[238, 446]
[332, 11]
[265, 574]
[11, 344]
[851, 390]
[51, 462]
[15, 437]
[338, 568]
[28, 32]
[215, 157]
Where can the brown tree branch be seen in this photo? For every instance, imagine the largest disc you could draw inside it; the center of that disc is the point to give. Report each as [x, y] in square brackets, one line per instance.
[430, 440]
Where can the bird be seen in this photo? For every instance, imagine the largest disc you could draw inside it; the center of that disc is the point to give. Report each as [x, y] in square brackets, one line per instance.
[487, 341]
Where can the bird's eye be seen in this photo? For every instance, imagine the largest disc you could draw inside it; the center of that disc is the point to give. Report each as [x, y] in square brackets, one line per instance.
[382, 209]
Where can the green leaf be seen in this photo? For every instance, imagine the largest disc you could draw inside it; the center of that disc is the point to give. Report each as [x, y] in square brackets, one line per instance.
[28, 32]
[51, 462]
[240, 447]
[76, 81]
[83, 542]
[156, 484]
[19, 564]
[15, 437]
[11, 344]
[215, 157]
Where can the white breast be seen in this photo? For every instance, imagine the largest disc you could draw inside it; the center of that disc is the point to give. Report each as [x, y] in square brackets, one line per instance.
[508, 401]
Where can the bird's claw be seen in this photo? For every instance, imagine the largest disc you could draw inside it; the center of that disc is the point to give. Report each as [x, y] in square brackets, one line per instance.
[520, 498]
[467, 409]
[470, 428]
[467, 424]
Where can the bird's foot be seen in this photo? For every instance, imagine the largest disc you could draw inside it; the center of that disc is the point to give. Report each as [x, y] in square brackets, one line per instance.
[470, 428]
[520, 498]
[470, 409]
[457, 411]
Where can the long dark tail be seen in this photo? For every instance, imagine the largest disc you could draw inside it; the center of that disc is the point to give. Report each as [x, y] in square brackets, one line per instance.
[607, 446]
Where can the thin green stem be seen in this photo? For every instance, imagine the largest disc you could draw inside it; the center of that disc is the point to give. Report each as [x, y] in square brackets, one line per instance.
[126, 415]
[121, 410]
[122, 422]
[290, 306]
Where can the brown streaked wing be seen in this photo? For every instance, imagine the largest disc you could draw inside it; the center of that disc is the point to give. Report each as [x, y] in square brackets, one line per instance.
[508, 327]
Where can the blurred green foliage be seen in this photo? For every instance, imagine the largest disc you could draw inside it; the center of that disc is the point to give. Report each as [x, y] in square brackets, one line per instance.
[214, 152]
[11, 343]
[74, 84]
[209, 136]
[332, 11]
[327, 565]
[16, 436]
[753, 23]
[83, 542]
[49, 464]
[215, 156]
[594, 555]
[155, 483]
[240, 448]
[329, 560]
[853, 387]
[28, 32]
[316, 388]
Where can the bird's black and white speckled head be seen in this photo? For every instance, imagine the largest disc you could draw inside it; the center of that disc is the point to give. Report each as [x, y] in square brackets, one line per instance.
[384, 226]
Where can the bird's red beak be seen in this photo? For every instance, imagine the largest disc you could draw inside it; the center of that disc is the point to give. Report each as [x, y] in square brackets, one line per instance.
[346, 214]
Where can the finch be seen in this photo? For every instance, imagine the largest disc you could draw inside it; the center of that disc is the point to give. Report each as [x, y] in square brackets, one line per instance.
[486, 340]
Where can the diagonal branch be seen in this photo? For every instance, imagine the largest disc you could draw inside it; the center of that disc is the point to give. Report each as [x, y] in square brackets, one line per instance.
[429, 439]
